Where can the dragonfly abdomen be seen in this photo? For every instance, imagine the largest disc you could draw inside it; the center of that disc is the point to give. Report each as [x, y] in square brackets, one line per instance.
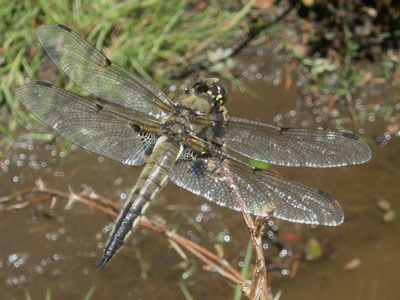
[152, 179]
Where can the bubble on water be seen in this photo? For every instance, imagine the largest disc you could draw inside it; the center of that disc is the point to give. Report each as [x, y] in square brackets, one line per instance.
[34, 165]
[205, 208]
[387, 136]
[107, 228]
[270, 235]
[285, 272]
[118, 181]
[51, 236]
[253, 68]
[85, 271]
[58, 174]
[39, 269]
[17, 259]
[199, 217]
[283, 253]
[16, 280]
[276, 81]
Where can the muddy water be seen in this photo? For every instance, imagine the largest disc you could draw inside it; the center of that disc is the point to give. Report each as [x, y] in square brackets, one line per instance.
[56, 249]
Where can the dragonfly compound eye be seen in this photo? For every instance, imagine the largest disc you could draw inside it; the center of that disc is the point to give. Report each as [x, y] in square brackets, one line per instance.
[212, 90]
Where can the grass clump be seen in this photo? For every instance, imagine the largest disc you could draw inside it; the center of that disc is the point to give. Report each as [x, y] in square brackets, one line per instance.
[151, 38]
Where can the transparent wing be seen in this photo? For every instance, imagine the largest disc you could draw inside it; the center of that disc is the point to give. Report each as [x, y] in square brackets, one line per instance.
[87, 124]
[91, 70]
[263, 193]
[288, 146]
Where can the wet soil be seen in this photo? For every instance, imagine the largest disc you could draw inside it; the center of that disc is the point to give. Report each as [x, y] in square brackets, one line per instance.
[43, 247]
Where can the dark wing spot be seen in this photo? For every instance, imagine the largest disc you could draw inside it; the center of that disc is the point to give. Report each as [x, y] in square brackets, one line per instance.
[205, 155]
[149, 140]
[65, 28]
[135, 127]
[326, 195]
[99, 107]
[45, 84]
[218, 131]
[198, 168]
[350, 136]
[108, 62]
[55, 54]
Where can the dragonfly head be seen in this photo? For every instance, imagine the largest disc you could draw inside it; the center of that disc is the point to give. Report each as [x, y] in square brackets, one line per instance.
[212, 90]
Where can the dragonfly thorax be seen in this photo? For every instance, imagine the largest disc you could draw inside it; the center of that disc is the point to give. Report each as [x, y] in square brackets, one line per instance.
[196, 104]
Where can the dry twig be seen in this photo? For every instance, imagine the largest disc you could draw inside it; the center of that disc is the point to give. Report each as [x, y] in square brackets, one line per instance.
[211, 260]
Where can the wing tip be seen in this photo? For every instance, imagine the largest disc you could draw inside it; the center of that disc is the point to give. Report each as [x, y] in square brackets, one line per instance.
[338, 220]
[326, 195]
[362, 153]
[364, 150]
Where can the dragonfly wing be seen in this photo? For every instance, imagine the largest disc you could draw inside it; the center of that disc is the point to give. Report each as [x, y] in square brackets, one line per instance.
[91, 70]
[229, 184]
[288, 146]
[87, 124]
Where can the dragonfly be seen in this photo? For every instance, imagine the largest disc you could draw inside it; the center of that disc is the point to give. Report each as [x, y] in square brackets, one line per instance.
[192, 141]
